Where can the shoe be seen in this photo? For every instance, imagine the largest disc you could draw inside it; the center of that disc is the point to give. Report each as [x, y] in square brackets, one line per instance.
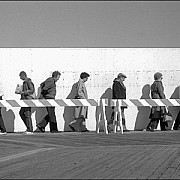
[125, 130]
[40, 128]
[85, 130]
[54, 131]
[28, 132]
[3, 133]
[109, 129]
[176, 128]
[73, 129]
[149, 129]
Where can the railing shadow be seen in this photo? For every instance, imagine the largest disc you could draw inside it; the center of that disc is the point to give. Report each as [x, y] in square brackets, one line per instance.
[142, 118]
[108, 109]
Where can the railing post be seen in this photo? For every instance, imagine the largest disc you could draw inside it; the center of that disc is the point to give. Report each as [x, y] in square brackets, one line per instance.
[102, 115]
[117, 113]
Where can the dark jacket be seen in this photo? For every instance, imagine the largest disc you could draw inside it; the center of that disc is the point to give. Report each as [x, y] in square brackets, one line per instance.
[119, 90]
[28, 89]
[48, 88]
[157, 90]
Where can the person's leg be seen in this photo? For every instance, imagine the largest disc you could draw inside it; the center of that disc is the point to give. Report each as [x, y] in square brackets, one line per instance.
[82, 124]
[28, 119]
[2, 126]
[52, 119]
[22, 115]
[123, 120]
[177, 122]
[43, 123]
[163, 124]
[152, 124]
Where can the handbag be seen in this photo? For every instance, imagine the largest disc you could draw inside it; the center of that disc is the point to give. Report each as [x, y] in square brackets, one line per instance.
[18, 89]
[168, 117]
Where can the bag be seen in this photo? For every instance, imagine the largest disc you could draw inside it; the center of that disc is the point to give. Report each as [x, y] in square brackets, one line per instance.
[18, 89]
[43, 92]
[168, 117]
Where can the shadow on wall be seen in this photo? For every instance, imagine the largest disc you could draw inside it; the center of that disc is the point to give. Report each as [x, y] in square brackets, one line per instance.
[8, 118]
[68, 114]
[142, 118]
[40, 112]
[108, 109]
[174, 109]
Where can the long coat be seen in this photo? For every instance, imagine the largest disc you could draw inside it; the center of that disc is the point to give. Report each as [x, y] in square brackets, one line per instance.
[157, 92]
[119, 90]
[81, 111]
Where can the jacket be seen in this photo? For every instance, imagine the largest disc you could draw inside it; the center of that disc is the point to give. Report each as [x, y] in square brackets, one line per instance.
[119, 90]
[157, 90]
[81, 111]
[81, 90]
[48, 88]
[28, 89]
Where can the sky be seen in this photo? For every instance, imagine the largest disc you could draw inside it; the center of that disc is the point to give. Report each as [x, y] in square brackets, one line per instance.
[86, 24]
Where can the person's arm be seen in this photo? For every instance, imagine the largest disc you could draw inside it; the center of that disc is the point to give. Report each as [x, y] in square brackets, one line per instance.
[160, 91]
[30, 88]
[80, 90]
[48, 84]
[116, 90]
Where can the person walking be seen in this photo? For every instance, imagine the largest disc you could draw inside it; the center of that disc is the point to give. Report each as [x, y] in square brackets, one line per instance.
[119, 92]
[177, 120]
[48, 91]
[27, 92]
[2, 126]
[81, 112]
[157, 112]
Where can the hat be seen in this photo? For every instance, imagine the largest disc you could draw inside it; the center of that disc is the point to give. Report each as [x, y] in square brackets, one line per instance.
[157, 75]
[122, 75]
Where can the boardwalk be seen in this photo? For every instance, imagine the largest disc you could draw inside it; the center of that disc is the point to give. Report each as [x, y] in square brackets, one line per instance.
[72, 155]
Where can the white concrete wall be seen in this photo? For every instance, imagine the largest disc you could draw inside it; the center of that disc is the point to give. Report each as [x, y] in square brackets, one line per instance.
[139, 64]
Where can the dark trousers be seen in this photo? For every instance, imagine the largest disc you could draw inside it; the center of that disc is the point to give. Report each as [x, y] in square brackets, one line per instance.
[51, 118]
[25, 113]
[154, 123]
[122, 115]
[2, 126]
[177, 122]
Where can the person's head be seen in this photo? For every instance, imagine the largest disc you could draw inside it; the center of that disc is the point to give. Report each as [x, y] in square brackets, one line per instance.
[84, 76]
[23, 75]
[158, 76]
[56, 75]
[121, 76]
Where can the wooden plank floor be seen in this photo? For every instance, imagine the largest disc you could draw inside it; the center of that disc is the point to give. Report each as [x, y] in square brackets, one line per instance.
[71, 155]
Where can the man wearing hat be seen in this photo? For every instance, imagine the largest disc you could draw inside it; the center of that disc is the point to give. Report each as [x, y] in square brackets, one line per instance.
[119, 92]
[157, 112]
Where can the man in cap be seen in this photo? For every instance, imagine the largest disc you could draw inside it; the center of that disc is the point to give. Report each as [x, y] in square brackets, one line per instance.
[119, 92]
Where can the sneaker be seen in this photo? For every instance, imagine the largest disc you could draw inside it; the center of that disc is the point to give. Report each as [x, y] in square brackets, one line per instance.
[54, 131]
[40, 128]
[3, 133]
[28, 132]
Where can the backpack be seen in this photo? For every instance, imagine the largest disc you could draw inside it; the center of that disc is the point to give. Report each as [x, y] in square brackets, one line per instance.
[43, 92]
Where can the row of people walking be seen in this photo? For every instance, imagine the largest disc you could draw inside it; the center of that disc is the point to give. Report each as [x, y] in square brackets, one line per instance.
[48, 91]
